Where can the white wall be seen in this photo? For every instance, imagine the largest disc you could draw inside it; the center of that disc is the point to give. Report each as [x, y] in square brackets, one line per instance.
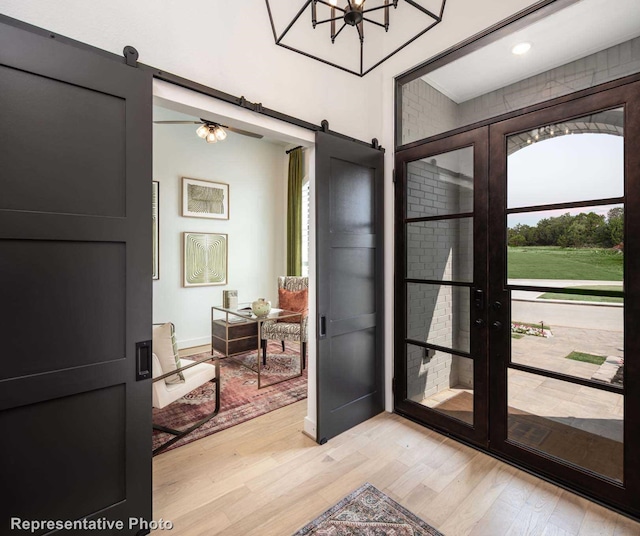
[256, 227]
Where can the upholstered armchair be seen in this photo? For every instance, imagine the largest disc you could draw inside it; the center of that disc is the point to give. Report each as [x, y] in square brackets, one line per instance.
[291, 289]
[174, 377]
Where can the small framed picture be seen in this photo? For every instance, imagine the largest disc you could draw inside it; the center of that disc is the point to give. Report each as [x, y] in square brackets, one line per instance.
[205, 259]
[205, 199]
[155, 214]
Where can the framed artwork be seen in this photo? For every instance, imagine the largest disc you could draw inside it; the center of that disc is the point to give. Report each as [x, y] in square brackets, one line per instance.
[205, 199]
[155, 214]
[205, 259]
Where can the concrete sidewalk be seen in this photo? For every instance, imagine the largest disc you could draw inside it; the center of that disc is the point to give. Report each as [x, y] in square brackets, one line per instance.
[525, 307]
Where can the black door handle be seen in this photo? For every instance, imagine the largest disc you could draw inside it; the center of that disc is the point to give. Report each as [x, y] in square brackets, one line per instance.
[322, 326]
[143, 360]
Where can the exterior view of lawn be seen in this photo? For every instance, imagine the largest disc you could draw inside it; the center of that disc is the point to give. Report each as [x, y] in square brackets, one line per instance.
[554, 262]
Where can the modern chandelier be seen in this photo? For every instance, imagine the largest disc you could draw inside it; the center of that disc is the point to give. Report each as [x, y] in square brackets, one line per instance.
[352, 14]
[340, 17]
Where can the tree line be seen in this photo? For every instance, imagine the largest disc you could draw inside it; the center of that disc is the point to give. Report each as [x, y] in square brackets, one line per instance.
[583, 230]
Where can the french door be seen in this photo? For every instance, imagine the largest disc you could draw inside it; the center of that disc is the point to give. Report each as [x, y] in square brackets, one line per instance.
[441, 285]
[547, 300]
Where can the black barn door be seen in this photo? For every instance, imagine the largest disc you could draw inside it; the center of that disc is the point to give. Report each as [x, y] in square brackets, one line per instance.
[75, 283]
[350, 292]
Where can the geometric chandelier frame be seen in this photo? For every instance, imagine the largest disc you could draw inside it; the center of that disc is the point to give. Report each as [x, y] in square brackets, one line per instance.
[351, 15]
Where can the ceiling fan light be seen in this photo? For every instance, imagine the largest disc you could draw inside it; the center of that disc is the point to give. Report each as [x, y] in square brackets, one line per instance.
[211, 137]
[202, 131]
[220, 133]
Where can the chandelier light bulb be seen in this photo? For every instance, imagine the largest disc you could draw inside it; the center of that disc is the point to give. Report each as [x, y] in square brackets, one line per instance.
[202, 131]
[211, 137]
[219, 133]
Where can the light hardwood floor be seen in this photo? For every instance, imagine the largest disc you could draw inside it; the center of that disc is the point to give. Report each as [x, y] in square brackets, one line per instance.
[264, 477]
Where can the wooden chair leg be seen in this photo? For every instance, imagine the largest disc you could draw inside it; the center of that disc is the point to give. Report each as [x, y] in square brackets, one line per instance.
[304, 355]
[264, 352]
[282, 346]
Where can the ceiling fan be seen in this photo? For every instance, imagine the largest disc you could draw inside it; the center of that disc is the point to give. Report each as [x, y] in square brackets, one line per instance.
[210, 131]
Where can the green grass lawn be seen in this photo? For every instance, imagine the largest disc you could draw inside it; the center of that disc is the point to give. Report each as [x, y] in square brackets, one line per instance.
[564, 263]
[583, 297]
[587, 358]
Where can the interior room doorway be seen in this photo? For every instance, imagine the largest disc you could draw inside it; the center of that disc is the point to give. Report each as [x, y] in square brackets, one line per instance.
[251, 163]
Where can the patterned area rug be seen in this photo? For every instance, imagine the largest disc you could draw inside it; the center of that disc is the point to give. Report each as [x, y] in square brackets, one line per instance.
[368, 512]
[241, 400]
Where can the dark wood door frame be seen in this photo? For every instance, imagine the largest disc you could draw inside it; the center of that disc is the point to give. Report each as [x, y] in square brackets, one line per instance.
[624, 92]
[627, 96]
[478, 433]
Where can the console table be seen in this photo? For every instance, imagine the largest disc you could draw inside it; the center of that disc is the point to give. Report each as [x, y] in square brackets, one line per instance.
[243, 334]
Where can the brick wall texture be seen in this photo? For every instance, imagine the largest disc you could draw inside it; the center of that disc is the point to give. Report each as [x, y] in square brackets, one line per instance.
[427, 112]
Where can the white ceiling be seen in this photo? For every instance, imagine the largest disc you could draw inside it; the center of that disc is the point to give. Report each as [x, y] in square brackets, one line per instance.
[161, 113]
[577, 31]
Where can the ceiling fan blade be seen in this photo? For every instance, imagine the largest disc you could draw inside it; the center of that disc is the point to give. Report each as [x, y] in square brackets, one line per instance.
[245, 133]
[202, 122]
[178, 122]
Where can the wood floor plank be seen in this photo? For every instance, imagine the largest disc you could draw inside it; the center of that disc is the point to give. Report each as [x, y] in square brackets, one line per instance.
[533, 517]
[598, 520]
[569, 513]
[477, 503]
[265, 478]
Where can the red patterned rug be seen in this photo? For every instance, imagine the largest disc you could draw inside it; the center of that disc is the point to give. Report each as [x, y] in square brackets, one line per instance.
[240, 398]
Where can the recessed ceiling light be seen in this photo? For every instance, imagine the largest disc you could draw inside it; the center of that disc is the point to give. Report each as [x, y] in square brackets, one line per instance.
[521, 48]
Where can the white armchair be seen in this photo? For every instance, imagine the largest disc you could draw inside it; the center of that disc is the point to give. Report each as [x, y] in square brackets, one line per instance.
[177, 378]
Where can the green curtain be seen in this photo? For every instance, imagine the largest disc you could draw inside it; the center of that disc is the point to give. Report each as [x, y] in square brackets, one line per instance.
[294, 213]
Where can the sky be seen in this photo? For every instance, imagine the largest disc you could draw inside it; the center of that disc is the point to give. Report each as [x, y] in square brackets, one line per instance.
[575, 167]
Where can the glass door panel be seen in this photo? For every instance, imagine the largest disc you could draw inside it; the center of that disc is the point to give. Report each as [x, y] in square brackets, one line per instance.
[578, 425]
[581, 159]
[439, 315]
[441, 381]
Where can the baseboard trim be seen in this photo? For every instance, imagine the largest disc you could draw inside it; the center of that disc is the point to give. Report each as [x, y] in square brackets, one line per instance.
[190, 343]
